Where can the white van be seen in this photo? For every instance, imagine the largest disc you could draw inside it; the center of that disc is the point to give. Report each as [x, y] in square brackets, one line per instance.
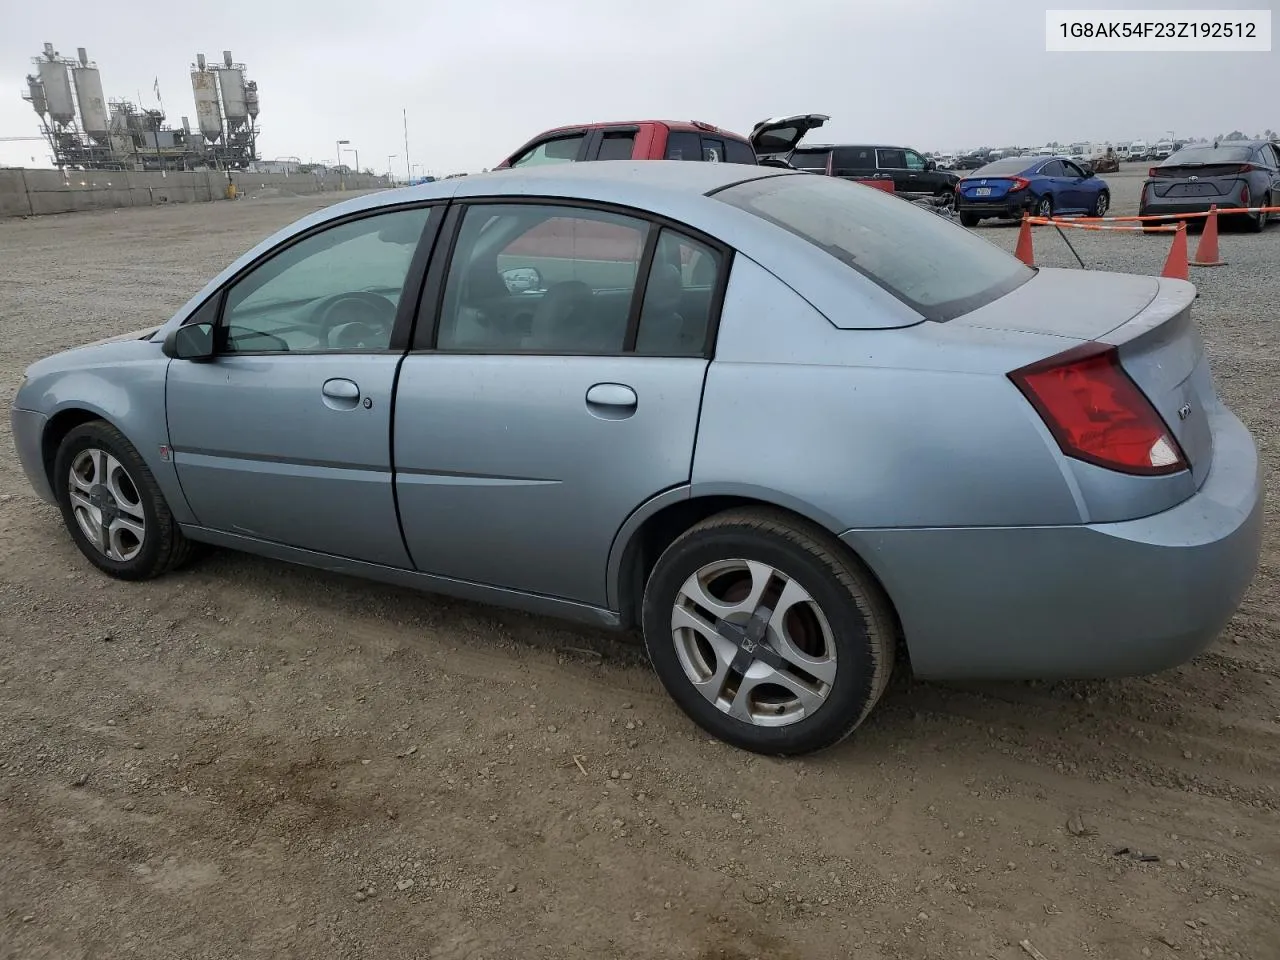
[1138, 150]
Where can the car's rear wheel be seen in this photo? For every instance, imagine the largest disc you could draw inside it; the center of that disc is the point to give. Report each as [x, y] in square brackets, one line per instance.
[1102, 204]
[1258, 221]
[1044, 207]
[969, 219]
[113, 507]
[767, 632]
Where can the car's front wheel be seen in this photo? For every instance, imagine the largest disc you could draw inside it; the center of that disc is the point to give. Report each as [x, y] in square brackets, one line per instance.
[113, 506]
[767, 633]
[1102, 204]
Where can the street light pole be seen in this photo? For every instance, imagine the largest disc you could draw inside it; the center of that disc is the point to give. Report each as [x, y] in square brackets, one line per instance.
[390, 157]
[341, 184]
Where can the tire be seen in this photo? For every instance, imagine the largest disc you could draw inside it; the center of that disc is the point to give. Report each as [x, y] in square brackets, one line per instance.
[969, 219]
[1102, 204]
[843, 626]
[111, 473]
[1044, 207]
[1258, 222]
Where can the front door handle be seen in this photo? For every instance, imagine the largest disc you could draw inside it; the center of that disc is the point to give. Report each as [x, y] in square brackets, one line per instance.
[611, 401]
[340, 393]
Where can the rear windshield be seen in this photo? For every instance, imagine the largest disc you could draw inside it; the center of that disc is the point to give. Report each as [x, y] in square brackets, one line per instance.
[999, 168]
[1209, 154]
[934, 266]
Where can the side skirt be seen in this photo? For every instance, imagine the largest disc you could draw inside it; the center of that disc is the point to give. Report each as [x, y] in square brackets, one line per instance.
[426, 582]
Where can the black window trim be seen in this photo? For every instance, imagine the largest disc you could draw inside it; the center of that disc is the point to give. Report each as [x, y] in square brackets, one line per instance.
[431, 302]
[406, 309]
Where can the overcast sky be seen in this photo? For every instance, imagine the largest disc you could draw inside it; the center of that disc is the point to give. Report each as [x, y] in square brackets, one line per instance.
[478, 77]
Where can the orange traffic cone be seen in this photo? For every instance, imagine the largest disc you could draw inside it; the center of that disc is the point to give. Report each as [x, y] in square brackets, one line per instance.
[1023, 251]
[1207, 248]
[1175, 267]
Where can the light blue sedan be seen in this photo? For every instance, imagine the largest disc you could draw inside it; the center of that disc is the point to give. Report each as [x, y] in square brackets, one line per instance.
[793, 429]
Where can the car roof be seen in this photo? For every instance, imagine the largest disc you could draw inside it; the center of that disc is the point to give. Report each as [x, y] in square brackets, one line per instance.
[862, 146]
[697, 125]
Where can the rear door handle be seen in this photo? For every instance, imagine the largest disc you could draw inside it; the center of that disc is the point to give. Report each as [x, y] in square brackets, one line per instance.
[611, 401]
[340, 393]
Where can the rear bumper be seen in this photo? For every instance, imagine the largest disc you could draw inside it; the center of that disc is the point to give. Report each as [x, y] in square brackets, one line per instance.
[1085, 601]
[28, 433]
[1173, 206]
[998, 208]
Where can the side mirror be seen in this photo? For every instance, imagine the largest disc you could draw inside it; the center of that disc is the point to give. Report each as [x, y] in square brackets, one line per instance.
[191, 342]
[930, 166]
[522, 279]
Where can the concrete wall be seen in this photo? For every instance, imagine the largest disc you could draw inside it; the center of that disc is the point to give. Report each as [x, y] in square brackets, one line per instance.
[39, 192]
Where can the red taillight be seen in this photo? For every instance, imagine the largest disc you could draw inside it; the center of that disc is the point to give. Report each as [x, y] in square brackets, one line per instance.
[1019, 183]
[1153, 171]
[1245, 168]
[1244, 195]
[1098, 414]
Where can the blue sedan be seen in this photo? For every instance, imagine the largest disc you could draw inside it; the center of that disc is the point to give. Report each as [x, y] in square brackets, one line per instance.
[1039, 186]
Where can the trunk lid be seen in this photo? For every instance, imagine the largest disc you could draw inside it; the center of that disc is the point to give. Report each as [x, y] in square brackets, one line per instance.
[781, 134]
[1196, 180]
[1148, 319]
[985, 188]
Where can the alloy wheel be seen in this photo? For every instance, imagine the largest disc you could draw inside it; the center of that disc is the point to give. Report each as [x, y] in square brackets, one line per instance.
[753, 642]
[107, 505]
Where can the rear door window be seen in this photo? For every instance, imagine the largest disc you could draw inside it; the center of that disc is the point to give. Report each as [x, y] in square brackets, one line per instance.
[1053, 168]
[854, 161]
[738, 151]
[683, 145]
[891, 159]
[928, 263]
[617, 146]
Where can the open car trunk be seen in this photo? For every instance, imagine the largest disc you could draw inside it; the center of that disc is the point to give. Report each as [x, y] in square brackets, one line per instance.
[779, 135]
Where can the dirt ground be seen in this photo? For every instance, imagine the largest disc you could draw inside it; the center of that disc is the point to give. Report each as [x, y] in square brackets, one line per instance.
[253, 760]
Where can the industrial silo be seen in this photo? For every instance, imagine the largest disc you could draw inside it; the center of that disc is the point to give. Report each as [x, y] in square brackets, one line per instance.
[57, 88]
[93, 105]
[204, 86]
[231, 83]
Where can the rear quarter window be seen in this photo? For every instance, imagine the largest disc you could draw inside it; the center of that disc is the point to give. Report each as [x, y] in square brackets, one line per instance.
[738, 151]
[937, 268]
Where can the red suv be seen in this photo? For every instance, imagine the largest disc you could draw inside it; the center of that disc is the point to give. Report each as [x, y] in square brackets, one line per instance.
[664, 140]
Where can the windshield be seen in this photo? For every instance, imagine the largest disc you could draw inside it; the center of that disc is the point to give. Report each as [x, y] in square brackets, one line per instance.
[1209, 154]
[934, 266]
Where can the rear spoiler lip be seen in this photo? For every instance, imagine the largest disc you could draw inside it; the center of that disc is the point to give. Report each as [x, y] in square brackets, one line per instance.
[1172, 297]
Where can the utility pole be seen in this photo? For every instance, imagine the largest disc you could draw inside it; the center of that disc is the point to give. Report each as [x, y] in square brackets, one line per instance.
[407, 169]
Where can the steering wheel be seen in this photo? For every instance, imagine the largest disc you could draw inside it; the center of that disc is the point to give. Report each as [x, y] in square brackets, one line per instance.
[355, 320]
